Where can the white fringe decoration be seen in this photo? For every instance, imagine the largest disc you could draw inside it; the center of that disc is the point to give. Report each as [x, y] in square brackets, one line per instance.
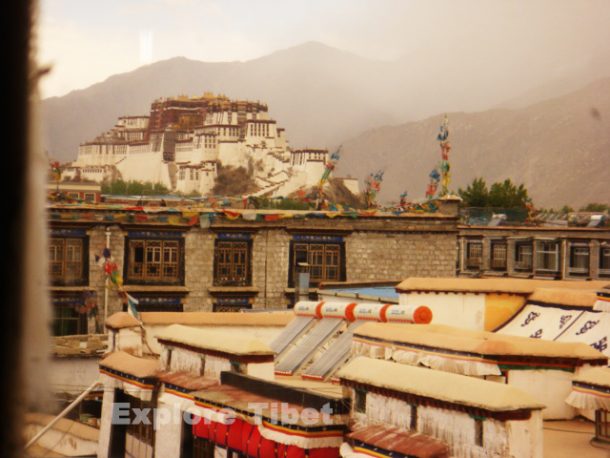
[587, 401]
[302, 442]
[416, 357]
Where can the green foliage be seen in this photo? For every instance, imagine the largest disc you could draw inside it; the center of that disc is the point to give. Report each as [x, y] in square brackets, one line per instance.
[504, 194]
[595, 207]
[136, 188]
[476, 194]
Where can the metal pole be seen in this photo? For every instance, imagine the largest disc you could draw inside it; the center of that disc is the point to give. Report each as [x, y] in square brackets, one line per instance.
[62, 414]
[106, 281]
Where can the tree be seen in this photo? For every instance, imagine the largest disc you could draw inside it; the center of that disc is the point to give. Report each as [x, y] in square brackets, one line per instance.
[476, 194]
[507, 195]
[503, 194]
[595, 207]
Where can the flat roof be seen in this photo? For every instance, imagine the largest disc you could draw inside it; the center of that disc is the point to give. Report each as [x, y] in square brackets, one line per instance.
[482, 343]
[231, 342]
[490, 285]
[121, 320]
[442, 386]
[564, 296]
[128, 364]
[261, 319]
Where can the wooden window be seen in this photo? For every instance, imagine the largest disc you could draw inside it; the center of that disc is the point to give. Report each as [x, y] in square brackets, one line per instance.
[524, 256]
[67, 261]
[474, 254]
[360, 400]
[202, 448]
[89, 197]
[478, 432]
[602, 425]
[498, 255]
[579, 259]
[67, 321]
[604, 261]
[324, 259]
[154, 261]
[547, 256]
[232, 263]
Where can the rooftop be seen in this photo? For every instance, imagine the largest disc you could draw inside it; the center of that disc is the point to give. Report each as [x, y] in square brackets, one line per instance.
[482, 343]
[491, 285]
[564, 296]
[230, 342]
[442, 386]
[129, 364]
[218, 318]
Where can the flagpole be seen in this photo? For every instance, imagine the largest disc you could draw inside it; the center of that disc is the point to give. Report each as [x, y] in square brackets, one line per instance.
[107, 279]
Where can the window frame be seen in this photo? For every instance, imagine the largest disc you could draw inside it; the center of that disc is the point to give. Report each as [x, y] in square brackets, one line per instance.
[518, 255]
[133, 278]
[493, 264]
[604, 255]
[324, 242]
[578, 271]
[61, 279]
[540, 252]
[230, 245]
[467, 255]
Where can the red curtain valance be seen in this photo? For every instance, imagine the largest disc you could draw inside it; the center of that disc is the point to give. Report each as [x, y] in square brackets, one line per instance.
[246, 438]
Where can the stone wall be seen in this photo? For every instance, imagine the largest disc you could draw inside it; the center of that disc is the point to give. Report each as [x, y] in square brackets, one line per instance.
[376, 249]
[375, 256]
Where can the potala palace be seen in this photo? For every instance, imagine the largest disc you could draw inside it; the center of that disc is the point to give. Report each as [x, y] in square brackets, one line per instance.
[183, 140]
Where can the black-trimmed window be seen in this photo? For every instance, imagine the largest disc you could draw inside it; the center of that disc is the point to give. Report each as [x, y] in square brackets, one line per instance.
[67, 320]
[604, 261]
[498, 252]
[524, 256]
[68, 257]
[579, 258]
[547, 256]
[474, 254]
[154, 258]
[602, 425]
[232, 260]
[325, 255]
[360, 400]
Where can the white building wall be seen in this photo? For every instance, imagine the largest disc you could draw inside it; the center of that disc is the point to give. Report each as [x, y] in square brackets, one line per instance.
[168, 433]
[106, 419]
[513, 438]
[549, 387]
[453, 309]
[526, 437]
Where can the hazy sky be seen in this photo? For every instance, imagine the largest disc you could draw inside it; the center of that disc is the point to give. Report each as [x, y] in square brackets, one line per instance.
[88, 41]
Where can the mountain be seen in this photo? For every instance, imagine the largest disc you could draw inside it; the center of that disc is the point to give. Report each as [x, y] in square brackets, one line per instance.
[560, 149]
[320, 94]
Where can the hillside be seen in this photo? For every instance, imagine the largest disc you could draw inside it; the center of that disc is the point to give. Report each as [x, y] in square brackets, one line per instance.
[559, 148]
[320, 94]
